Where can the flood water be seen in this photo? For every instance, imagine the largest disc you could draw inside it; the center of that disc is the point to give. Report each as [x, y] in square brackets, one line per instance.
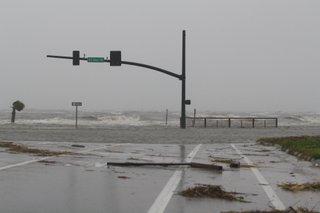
[82, 182]
[149, 134]
[146, 127]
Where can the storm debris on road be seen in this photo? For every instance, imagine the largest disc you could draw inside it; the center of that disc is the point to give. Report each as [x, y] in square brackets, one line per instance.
[296, 187]
[222, 160]
[232, 163]
[193, 165]
[124, 177]
[78, 145]
[211, 191]
[248, 166]
[17, 148]
[48, 162]
[290, 210]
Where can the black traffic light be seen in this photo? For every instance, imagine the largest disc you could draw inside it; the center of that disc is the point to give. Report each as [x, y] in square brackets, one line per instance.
[76, 57]
[115, 58]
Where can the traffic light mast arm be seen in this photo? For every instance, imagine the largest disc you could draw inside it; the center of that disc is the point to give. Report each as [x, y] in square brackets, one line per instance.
[180, 77]
[64, 57]
[153, 68]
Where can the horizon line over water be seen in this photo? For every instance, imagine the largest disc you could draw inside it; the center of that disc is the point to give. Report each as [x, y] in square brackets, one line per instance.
[33, 117]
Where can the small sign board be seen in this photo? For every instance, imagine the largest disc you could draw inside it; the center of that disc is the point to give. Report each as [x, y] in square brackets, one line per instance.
[76, 103]
[95, 59]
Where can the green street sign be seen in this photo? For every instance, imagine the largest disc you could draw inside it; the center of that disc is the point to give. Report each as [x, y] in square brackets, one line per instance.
[95, 59]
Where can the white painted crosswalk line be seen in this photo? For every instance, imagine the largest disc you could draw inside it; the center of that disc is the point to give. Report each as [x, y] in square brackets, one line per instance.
[163, 199]
[273, 197]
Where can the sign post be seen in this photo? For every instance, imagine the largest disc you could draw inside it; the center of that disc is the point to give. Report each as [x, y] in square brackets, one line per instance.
[76, 104]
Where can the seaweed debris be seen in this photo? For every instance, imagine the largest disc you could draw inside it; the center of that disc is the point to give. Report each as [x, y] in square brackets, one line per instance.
[48, 162]
[123, 177]
[211, 191]
[296, 187]
[290, 210]
[222, 160]
[17, 148]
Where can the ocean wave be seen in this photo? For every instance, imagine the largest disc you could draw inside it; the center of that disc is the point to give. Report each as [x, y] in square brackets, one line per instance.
[138, 118]
[102, 120]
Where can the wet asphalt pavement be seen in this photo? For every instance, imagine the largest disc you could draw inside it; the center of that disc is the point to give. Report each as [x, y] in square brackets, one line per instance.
[82, 182]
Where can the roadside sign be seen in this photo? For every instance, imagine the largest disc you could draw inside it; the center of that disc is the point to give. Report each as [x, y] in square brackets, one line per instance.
[76, 103]
[95, 60]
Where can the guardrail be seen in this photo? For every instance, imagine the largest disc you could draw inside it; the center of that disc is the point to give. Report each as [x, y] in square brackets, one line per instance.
[241, 122]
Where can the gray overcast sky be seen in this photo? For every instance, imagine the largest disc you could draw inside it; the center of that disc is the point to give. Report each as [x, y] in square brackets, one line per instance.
[241, 55]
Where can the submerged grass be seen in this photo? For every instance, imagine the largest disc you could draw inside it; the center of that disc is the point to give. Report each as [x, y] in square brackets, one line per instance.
[17, 148]
[296, 187]
[305, 147]
[211, 191]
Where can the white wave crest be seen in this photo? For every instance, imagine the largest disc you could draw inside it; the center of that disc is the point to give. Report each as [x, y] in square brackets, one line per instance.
[137, 118]
[107, 120]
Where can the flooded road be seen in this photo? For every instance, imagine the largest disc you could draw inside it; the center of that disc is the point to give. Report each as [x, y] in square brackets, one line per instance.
[83, 182]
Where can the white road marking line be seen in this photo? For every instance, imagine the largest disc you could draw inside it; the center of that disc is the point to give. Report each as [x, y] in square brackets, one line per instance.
[192, 154]
[24, 163]
[274, 199]
[46, 158]
[163, 199]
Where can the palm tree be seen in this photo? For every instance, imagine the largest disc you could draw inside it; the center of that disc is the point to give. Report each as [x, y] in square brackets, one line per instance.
[17, 105]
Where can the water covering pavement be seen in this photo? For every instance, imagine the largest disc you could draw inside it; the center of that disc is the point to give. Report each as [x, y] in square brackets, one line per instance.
[82, 181]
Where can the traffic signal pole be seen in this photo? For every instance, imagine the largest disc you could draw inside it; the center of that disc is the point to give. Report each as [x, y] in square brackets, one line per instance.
[183, 83]
[115, 60]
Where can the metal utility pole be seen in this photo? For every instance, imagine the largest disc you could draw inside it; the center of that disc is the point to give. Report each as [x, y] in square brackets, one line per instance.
[183, 83]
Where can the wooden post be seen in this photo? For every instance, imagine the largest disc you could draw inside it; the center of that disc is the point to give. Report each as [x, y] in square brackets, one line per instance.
[194, 117]
[167, 117]
[229, 122]
[76, 116]
[253, 122]
[205, 122]
[276, 122]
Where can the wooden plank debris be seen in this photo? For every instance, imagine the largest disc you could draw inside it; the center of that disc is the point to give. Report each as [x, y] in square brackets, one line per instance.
[193, 165]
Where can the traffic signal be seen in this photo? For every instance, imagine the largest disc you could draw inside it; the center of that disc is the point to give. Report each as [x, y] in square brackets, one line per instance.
[115, 58]
[76, 57]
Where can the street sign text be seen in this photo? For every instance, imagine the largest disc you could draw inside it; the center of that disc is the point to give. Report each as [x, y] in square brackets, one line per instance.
[76, 103]
[95, 59]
